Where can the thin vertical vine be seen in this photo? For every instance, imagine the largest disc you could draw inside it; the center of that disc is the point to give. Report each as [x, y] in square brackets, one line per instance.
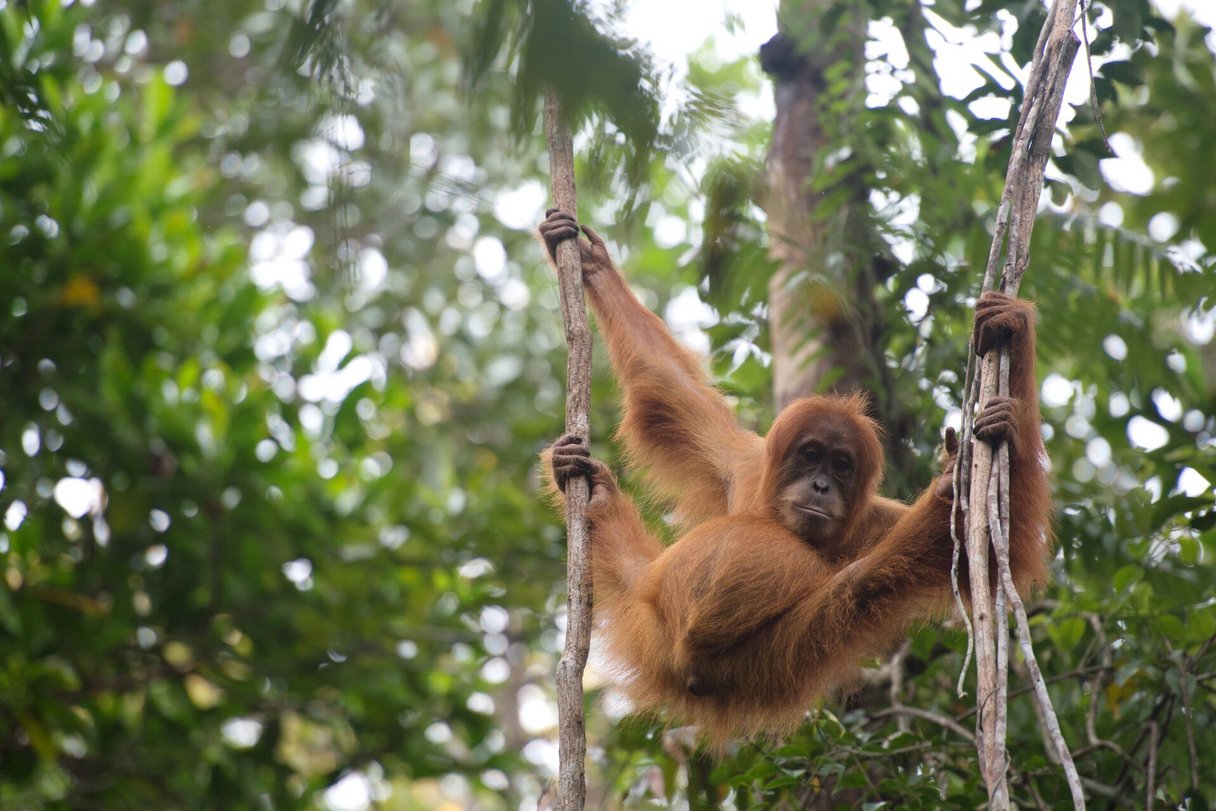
[986, 505]
[572, 733]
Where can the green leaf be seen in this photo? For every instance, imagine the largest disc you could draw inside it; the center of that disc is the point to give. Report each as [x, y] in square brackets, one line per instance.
[1169, 626]
[1126, 577]
[1123, 72]
[1067, 633]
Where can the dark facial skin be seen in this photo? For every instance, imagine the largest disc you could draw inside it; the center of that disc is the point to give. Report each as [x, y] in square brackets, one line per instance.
[818, 480]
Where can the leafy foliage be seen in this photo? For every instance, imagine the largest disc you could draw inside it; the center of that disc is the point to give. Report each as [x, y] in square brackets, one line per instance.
[277, 355]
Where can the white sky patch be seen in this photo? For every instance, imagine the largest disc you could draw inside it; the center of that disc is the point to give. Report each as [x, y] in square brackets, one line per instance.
[1111, 214]
[464, 229]
[490, 259]
[886, 78]
[438, 733]
[352, 793]
[176, 73]
[156, 555]
[1098, 451]
[342, 130]
[1128, 172]
[956, 50]
[480, 703]
[688, 316]
[1115, 347]
[1200, 327]
[278, 256]
[521, 208]
[916, 303]
[372, 270]
[299, 572]
[494, 619]
[676, 28]
[542, 753]
[15, 515]
[1146, 434]
[887, 43]
[496, 670]
[159, 520]
[333, 387]
[1194, 420]
[673, 29]
[317, 159]
[1056, 391]
[1192, 483]
[422, 349]
[241, 733]
[990, 107]
[1163, 226]
[327, 155]
[337, 347]
[31, 440]
[537, 713]
[423, 149]
[459, 167]
[1168, 406]
[80, 497]
[331, 380]
[1076, 426]
[257, 214]
[670, 231]
[1204, 11]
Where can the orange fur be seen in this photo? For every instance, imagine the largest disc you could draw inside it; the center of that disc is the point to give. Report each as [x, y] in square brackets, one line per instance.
[762, 621]
[1029, 487]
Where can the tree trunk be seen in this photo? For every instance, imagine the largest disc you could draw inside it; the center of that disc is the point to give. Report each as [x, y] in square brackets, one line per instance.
[826, 328]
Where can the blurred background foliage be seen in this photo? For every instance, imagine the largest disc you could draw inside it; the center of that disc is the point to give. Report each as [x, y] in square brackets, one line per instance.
[278, 351]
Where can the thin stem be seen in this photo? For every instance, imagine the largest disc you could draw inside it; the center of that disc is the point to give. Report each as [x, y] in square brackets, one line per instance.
[572, 737]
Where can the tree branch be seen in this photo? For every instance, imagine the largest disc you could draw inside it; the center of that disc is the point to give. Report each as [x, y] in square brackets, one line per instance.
[943, 721]
[572, 735]
[988, 488]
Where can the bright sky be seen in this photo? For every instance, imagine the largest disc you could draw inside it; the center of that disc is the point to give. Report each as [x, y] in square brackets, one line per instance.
[675, 28]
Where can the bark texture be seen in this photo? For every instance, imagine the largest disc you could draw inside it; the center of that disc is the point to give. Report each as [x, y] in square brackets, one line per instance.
[986, 505]
[572, 733]
[826, 327]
